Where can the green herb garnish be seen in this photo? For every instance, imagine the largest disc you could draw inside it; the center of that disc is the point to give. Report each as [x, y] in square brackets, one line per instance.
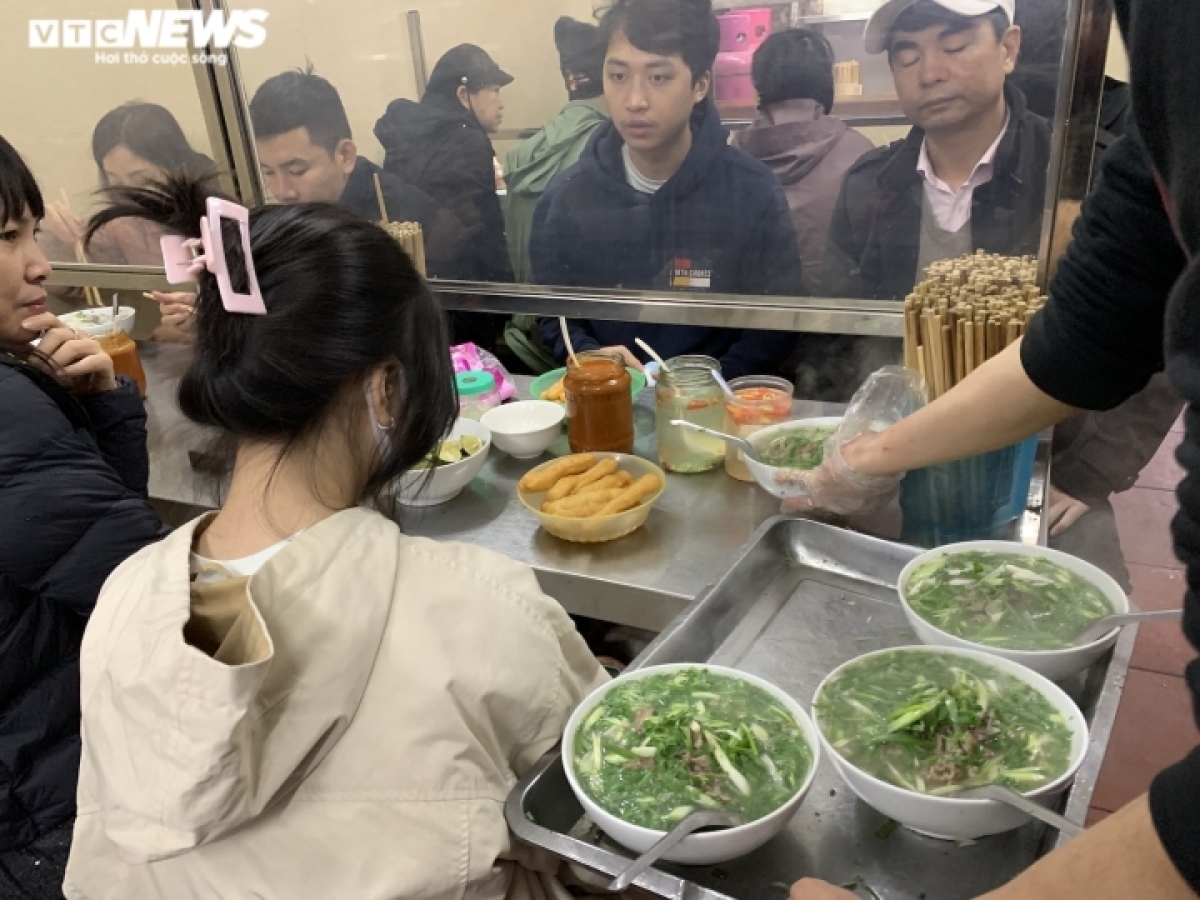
[1005, 600]
[658, 748]
[938, 724]
[799, 448]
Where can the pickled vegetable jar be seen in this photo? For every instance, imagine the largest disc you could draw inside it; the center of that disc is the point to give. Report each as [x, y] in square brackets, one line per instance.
[599, 404]
[689, 391]
[758, 402]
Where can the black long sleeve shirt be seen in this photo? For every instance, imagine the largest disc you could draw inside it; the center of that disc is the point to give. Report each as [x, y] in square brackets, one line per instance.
[1115, 305]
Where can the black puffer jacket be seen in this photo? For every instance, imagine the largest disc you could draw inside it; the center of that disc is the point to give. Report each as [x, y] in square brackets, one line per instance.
[73, 477]
[439, 147]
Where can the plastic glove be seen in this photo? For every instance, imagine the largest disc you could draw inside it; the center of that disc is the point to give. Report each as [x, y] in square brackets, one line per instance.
[886, 397]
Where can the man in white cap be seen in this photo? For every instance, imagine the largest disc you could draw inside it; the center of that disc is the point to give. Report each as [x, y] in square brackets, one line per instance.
[972, 172]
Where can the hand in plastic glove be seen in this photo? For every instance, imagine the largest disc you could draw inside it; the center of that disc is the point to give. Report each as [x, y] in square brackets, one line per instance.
[886, 397]
[814, 889]
[1065, 511]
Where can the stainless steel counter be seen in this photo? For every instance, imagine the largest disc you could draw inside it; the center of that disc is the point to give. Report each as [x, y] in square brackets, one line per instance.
[643, 580]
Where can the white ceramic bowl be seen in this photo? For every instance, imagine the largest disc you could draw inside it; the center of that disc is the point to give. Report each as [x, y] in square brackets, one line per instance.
[1054, 664]
[708, 847]
[420, 488]
[953, 818]
[526, 429]
[98, 322]
[765, 475]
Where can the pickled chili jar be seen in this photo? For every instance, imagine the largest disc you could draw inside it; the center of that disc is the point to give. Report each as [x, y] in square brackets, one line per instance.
[688, 390]
[599, 404]
[758, 402]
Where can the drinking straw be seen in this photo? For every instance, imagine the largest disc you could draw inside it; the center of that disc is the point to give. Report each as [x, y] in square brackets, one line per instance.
[383, 216]
[562, 323]
[650, 350]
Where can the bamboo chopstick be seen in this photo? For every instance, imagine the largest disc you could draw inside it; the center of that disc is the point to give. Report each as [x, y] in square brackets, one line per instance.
[383, 214]
[964, 312]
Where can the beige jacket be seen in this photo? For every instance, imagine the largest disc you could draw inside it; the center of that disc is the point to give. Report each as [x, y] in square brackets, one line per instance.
[363, 706]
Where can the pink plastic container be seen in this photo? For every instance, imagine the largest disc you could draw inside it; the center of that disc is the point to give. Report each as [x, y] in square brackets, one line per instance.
[742, 32]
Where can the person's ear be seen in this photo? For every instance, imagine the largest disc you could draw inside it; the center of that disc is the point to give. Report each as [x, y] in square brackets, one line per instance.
[383, 383]
[1012, 48]
[701, 87]
[345, 154]
[464, 96]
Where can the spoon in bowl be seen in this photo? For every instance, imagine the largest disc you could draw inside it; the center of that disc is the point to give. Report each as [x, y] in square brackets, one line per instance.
[703, 818]
[1101, 627]
[741, 443]
[1001, 794]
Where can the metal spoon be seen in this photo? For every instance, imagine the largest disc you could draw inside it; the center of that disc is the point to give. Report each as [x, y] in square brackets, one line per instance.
[694, 822]
[745, 446]
[1101, 627]
[1001, 794]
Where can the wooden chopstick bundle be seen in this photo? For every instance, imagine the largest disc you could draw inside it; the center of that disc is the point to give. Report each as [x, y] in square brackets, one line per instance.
[966, 311]
[411, 237]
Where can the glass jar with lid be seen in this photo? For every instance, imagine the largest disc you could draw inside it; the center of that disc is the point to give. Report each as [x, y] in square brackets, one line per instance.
[687, 390]
[477, 393]
[758, 402]
[599, 404]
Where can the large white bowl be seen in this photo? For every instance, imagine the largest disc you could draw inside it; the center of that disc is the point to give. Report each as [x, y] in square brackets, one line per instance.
[1054, 664]
[764, 474]
[526, 429]
[420, 488]
[709, 847]
[953, 818]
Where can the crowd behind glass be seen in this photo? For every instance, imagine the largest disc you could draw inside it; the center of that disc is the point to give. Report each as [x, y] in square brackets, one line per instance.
[826, 214]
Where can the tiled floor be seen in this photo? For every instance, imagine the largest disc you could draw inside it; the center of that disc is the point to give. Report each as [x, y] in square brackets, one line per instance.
[1154, 726]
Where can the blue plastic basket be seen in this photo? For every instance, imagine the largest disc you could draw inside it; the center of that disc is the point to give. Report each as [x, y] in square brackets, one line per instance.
[968, 500]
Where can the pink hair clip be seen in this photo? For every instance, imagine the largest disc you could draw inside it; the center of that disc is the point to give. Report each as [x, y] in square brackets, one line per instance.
[186, 258]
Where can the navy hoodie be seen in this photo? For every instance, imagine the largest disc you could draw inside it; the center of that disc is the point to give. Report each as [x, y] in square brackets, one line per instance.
[720, 224]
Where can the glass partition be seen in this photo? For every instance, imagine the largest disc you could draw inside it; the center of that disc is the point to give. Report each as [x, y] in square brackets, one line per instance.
[808, 240]
[716, 227]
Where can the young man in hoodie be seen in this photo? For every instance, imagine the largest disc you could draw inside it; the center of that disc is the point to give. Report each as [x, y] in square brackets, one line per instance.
[660, 201]
[536, 161]
[308, 155]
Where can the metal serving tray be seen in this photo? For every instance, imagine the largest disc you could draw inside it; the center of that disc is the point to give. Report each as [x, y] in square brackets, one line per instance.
[801, 598]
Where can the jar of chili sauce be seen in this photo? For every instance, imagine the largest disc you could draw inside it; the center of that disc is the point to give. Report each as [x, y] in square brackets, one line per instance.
[758, 401]
[599, 404]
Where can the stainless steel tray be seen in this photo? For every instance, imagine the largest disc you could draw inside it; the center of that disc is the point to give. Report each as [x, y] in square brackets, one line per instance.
[801, 598]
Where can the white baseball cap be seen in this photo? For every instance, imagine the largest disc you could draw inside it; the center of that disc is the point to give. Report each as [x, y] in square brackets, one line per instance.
[880, 24]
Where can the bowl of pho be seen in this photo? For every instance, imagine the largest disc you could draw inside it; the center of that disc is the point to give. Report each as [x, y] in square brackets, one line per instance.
[1017, 601]
[653, 746]
[909, 727]
[787, 449]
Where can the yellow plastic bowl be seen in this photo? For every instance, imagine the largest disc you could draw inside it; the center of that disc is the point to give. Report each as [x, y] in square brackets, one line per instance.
[598, 529]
